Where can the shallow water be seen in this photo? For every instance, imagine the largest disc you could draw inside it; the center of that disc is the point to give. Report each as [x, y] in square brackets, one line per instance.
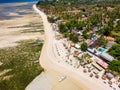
[11, 1]
[7, 8]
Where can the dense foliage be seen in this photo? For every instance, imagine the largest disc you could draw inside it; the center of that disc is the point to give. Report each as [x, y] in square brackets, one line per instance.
[118, 40]
[73, 37]
[115, 51]
[84, 47]
[102, 41]
[115, 66]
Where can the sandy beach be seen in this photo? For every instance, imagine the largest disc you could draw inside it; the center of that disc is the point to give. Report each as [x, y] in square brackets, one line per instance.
[49, 60]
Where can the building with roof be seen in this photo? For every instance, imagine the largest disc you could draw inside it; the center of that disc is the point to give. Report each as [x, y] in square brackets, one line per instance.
[110, 38]
[77, 46]
[102, 63]
[110, 75]
[106, 57]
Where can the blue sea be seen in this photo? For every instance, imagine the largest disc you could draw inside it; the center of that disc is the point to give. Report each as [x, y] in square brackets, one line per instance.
[15, 1]
[8, 6]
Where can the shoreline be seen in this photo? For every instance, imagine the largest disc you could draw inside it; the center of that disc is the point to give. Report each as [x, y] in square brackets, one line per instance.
[49, 62]
[19, 27]
[17, 2]
[20, 46]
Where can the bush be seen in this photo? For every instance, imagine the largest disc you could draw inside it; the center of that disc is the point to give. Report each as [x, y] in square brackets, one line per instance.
[115, 66]
[66, 35]
[115, 51]
[118, 40]
[62, 28]
[73, 37]
[84, 47]
[102, 41]
[51, 19]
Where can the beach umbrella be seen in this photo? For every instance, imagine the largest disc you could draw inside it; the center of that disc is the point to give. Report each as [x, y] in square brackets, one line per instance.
[84, 70]
[105, 82]
[103, 77]
[110, 75]
[109, 82]
[84, 66]
[97, 76]
[89, 70]
[91, 75]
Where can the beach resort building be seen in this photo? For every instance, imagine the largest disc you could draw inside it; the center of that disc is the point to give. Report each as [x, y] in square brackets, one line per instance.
[106, 57]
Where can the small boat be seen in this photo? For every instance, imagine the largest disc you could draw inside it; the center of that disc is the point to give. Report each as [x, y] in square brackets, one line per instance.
[62, 78]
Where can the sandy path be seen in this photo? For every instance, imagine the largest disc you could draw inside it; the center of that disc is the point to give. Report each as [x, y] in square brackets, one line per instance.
[48, 61]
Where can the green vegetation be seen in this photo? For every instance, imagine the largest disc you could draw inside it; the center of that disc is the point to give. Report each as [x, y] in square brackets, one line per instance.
[102, 41]
[84, 47]
[115, 51]
[85, 35]
[118, 40]
[63, 28]
[73, 37]
[22, 63]
[107, 31]
[115, 66]
[51, 19]
[81, 19]
[79, 15]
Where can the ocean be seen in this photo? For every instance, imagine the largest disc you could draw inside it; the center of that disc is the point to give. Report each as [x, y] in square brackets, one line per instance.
[15, 1]
[8, 6]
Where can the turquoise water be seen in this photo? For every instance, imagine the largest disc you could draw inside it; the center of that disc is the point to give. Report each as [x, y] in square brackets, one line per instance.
[102, 50]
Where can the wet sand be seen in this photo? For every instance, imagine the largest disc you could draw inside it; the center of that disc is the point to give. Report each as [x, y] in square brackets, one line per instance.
[12, 30]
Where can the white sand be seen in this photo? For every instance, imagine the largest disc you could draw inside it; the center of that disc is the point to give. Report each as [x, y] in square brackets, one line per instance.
[49, 61]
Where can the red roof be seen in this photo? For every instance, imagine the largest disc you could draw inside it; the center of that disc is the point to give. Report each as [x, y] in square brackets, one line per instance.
[101, 63]
[110, 38]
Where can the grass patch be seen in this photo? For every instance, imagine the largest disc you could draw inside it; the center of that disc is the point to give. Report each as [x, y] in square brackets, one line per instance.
[32, 25]
[116, 33]
[31, 31]
[23, 62]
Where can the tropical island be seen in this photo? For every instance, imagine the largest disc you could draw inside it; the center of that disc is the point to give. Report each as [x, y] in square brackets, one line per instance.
[80, 50]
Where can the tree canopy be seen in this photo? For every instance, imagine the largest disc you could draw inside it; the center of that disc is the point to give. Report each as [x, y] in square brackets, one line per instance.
[73, 37]
[115, 66]
[115, 51]
[102, 41]
[84, 46]
[118, 40]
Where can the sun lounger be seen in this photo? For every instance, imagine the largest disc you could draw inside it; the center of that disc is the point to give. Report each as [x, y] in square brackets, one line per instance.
[95, 71]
